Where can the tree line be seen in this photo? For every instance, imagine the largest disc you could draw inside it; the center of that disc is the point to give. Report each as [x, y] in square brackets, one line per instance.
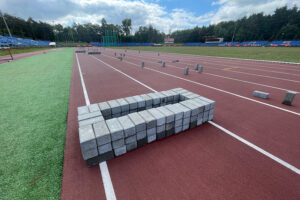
[284, 24]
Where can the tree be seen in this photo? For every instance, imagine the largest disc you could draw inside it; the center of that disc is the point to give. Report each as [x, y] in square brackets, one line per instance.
[126, 26]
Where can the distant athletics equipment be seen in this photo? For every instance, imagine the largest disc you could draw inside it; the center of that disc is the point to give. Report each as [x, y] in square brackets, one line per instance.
[261, 94]
[196, 66]
[200, 69]
[93, 51]
[174, 61]
[163, 64]
[186, 71]
[289, 98]
[143, 64]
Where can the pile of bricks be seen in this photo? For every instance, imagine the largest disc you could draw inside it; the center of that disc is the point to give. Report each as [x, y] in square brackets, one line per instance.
[94, 52]
[112, 128]
[80, 51]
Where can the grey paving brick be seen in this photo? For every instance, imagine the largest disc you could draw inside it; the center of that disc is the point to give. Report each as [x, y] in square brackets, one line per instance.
[133, 111]
[89, 115]
[94, 108]
[160, 128]
[116, 115]
[115, 107]
[155, 98]
[205, 116]
[199, 121]
[289, 98]
[168, 114]
[261, 94]
[118, 143]
[177, 111]
[150, 120]
[104, 148]
[90, 153]
[105, 109]
[120, 151]
[193, 118]
[102, 133]
[131, 146]
[151, 138]
[178, 122]
[194, 109]
[115, 128]
[186, 111]
[170, 132]
[206, 104]
[147, 99]
[91, 121]
[142, 142]
[82, 110]
[130, 139]
[132, 103]
[93, 161]
[128, 126]
[161, 135]
[176, 96]
[169, 125]
[185, 127]
[106, 156]
[124, 105]
[141, 135]
[211, 102]
[169, 95]
[186, 120]
[151, 131]
[139, 122]
[193, 124]
[178, 129]
[140, 101]
[160, 118]
[163, 98]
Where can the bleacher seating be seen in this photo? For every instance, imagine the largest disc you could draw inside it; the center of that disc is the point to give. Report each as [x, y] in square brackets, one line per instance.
[282, 43]
[253, 43]
[7, 41]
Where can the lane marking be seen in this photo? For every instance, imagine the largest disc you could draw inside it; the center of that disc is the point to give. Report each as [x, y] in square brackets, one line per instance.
[225, 77]
[220, 90]
[253, 146]
[107, 183]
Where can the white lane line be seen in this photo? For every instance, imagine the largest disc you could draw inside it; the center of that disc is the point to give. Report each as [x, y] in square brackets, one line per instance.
[107, 183]
[225, 77]
[220, 90]
[108, 186]
[278, 160]
[253, 146]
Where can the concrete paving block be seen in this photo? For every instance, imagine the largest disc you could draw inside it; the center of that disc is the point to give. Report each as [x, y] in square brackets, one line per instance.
[186, 71]
[115, 107]
[118, 143]
[169, 95]
[141, 135]
[170, 132]
[205, 116]
[141, 109]
[93, 161]
[185, 127]
[196, 66]
[128, 126]
[177, 112]
[89, 153]
[169, 125]
[104, 148]
[186, 111]
[142, 142]
[160, 118]
[87, 137]
[124, 105]
[261, 94]
[163, 98]
[116, 115]
[175, 96]
[163, 64]
[131, 146]
[199, 104]
[150, 120]
[176, 89]
[151, 138]
[160, 135]
[160, 128]
[91, 121]
[199, 121]
[132, 103]
[94, 108]
[120, 151]
[102, 133]
[192, 95]
[155, 98]
[193, 118]
[143, 64]
[83, 110]
[115, 128]
[193, 124]
[178, 122]
[147, 99]
[186, 120]
[130, 139]
[289, 98]
[124, 113]
[211, 102]
[140, 101]
[139, 122]
[152, 131]
[194, 109]
[105, 109]
[210, 117]
[200, 69]
[89, 116]
[106, 156]
[178, 129]
[167, 113]
[133, 111]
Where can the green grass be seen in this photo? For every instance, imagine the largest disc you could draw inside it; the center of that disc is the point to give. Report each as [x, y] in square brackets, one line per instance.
[25, 50]
[289, 54]
[33, 111]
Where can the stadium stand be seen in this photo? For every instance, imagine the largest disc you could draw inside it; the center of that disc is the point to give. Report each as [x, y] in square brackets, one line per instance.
[281, 43]
[6, 41]
[253, 43]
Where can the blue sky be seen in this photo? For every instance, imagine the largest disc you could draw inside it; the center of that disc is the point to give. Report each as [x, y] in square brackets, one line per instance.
[165, 15]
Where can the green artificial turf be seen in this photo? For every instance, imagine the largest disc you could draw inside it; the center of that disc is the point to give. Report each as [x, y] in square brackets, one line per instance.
[4, 52]
[289, 54]
[34, 96]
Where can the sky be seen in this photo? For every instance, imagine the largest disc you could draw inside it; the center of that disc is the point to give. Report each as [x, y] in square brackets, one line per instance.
[165, 15]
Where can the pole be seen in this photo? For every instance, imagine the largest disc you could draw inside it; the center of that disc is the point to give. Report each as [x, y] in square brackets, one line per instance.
[5, 24]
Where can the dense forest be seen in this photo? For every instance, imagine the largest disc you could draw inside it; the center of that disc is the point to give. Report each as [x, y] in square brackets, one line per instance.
[284, 24]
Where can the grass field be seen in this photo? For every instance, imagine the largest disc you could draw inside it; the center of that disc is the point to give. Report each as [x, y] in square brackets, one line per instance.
[33, 111]
[25, 50]
[289, 54]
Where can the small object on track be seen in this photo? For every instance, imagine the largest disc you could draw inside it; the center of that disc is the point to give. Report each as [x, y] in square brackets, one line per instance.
[143, 64]
[200, 69]
[289, 98]
[261, 94]
[196, 67]
[186, 71]
[163, 64]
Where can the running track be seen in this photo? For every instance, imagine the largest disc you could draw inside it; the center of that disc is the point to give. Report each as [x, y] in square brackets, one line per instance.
[202, 163]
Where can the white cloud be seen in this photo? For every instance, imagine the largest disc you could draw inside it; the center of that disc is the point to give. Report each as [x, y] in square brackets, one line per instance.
[140, 11]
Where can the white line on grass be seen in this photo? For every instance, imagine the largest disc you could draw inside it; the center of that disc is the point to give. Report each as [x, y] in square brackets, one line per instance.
[108, 186]
[253, 146]
[220, 90]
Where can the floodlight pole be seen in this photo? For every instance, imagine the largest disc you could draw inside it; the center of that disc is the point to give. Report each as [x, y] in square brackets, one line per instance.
[5, 24]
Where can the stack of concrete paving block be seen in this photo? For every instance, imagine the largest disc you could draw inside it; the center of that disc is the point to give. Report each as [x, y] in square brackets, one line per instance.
[174, 61]
[143, 64]
[289, 98]
[80, 51]
[196, 67]
[200, 69]
[94, 52]
[112, 128]
[186, 71]
[261, 94]
[163, 64]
